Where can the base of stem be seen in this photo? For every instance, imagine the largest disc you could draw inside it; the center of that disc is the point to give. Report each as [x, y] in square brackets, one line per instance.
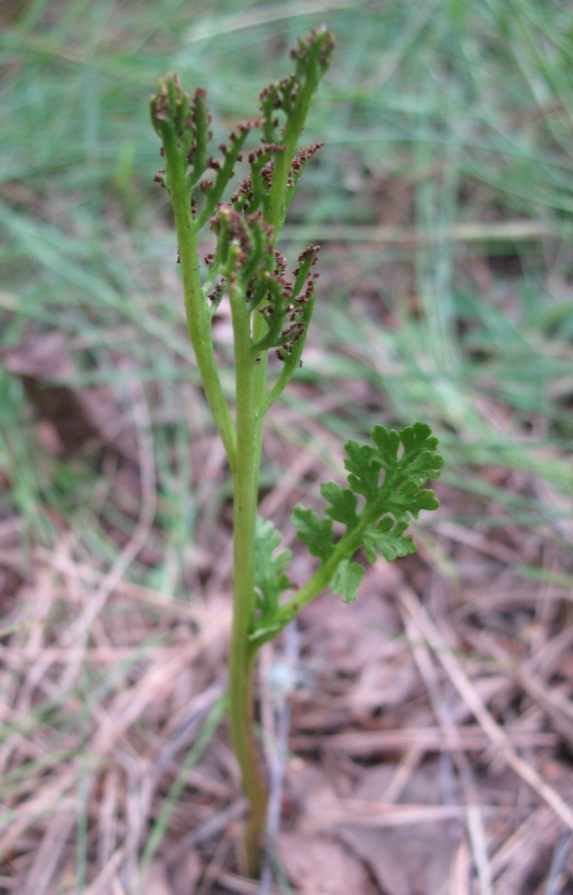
[253, 837]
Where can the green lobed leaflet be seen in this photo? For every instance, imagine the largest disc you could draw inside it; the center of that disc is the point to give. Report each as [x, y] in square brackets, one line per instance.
[386, 480]
[270, 579]
[407, 459]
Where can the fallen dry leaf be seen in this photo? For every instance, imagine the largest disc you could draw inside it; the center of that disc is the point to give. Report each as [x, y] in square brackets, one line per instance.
[187, 873]
[155, 881]
[70, 418]
[411, 858]
[319, 865]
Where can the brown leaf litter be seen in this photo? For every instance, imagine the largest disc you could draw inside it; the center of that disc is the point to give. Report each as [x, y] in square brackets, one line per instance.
[419, 740]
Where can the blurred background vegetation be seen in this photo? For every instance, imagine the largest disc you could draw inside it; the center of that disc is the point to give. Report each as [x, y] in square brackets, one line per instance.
[443, 201]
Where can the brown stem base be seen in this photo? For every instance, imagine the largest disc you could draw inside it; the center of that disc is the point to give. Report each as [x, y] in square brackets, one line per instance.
[253, 836]
[243, 740]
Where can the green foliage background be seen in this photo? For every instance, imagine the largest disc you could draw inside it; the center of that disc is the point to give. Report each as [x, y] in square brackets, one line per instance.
[467, 108]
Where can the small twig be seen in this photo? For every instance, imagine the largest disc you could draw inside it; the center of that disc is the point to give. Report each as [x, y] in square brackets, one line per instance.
[210, 828]
[214, 867]
[555, 879]
[103, 879]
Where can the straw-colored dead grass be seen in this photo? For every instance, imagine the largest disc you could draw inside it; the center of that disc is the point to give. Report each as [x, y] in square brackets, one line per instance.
[429, 724]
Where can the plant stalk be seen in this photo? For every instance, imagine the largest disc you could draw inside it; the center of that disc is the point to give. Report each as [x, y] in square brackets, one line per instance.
[197, 312]
[183, 127]
[250, 395]
[242, 660]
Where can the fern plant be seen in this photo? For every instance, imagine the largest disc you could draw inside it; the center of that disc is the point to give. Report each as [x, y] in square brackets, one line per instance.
[271, 309]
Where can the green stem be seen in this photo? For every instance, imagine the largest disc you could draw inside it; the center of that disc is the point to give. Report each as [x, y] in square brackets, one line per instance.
[250, 399]
[275, 206]
[197, 311]
[250, 392]
[315, 586]
[242, 659]
[251, 385]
